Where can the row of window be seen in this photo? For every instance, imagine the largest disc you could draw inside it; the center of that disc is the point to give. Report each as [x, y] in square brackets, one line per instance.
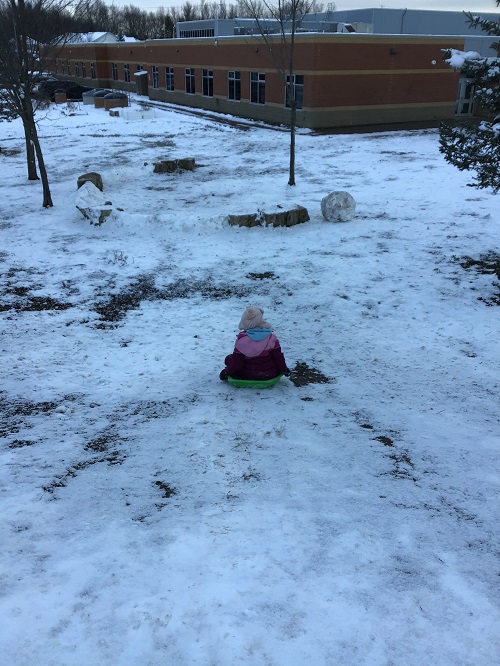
[257, 84]
[80, 69]
[257, 81]
[207, 32]
[126, 71]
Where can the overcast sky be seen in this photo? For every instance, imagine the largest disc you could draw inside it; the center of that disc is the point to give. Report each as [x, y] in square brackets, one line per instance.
[450, 5]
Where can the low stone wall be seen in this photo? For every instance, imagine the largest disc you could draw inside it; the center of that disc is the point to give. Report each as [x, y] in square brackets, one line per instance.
[277, 218]
[169, 166]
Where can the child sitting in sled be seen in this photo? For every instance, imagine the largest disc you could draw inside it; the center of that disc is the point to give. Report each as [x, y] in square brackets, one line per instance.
[257, 353]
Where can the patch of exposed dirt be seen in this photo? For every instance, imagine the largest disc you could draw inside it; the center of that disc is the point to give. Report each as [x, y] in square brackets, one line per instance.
[268, 275]
[100, 444]
[34, 304]
[13, 413]
[386, 441]
[166, 489]
[25, 408]
[105, 445]
[144, 289]
[403, 467]
[152, 409]
[17, 288]
[103, 136]
[113, 458]
[486, 264]
[302, 375]
[20, 443]
[250, 476]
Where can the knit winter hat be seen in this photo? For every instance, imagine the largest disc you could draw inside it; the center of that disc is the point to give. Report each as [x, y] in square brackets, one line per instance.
[253, 317]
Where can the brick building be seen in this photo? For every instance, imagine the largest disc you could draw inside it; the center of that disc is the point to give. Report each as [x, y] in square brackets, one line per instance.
[340, 79]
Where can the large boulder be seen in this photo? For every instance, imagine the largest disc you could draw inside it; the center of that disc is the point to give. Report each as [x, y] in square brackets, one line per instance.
[92, 177]
[92, 204]
[338, 207]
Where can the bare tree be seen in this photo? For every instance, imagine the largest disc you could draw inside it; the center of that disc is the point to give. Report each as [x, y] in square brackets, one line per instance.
[115, 21]
[136, 22]
[288, 15]
[161, 25]
[94, 16]
[190, 12]
[28, 30]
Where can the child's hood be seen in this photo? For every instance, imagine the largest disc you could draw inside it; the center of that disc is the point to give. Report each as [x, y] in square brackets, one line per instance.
[247, 344]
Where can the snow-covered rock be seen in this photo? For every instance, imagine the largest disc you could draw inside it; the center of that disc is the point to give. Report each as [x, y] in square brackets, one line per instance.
[92, 203]
[93, 177]
[338, 207]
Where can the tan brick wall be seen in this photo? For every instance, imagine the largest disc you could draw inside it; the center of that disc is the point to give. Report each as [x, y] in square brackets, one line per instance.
[348, 79]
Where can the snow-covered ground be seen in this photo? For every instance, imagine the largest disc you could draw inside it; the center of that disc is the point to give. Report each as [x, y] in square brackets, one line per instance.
[155, 516]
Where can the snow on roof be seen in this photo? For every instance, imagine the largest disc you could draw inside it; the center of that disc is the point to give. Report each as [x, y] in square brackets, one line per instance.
[94, 37]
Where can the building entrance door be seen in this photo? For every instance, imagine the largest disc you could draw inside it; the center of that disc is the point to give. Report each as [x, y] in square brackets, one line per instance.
[465, 102]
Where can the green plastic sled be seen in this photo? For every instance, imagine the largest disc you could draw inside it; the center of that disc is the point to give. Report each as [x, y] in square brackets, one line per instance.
[254, 383]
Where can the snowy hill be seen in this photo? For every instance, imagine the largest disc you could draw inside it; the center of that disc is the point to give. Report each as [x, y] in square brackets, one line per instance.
[154, 515]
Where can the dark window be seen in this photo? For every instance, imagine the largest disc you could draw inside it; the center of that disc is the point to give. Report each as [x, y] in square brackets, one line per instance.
[126, 73]
[84, 70]
[169, 78]
[234, 86]
[114, 69]
[190, 84]
[258, 87]
[155, 76]
[298, 90]
[92, 70]
[207, 80]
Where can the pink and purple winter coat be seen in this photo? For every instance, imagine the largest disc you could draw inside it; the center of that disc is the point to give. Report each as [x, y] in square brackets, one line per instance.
[257, 355]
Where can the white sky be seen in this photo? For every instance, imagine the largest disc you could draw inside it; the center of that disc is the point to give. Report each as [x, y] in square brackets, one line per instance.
[488, 6]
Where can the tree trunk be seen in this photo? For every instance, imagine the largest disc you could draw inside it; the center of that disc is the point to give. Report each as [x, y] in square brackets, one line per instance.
[23, 48]
[30, 151]
[293, 116]
[292, 100]
[47, 199]
[30, 128]
[30, 157]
